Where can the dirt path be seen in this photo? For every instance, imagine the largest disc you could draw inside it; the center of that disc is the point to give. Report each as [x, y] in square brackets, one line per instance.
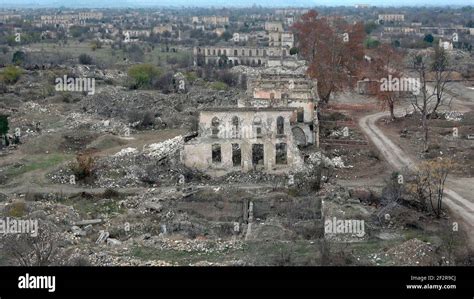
[461, 205]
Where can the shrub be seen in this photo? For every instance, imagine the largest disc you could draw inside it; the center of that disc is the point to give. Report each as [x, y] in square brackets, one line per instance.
[11, 74]
[228, 78]
[428, 38]
[165, 83]
[144, 119]
[136, 53]
[294, 51]
[111, 194]
[18, 57]
[371, 43]
[85, 59]
[191, 76]
[96, 45]
[219, 86]
[17, 209]
[83, 168]
[142, 75]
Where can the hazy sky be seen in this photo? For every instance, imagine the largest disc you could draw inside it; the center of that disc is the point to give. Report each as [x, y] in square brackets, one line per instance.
[207, 3]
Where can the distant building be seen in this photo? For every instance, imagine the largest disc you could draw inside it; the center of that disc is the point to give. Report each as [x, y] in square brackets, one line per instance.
[289, 21]
[401, 30]
[219, 31]
[281, 39]
[9, 17]
[136, 33]
[91, 16]
[251, 56]
[211, 20]
[162, 29]
[392, 17]
[274, 26]
[447, 45]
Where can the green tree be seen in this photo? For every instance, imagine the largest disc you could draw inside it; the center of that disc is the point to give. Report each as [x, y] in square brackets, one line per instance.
[136, 53]
[85, 59]
[4, 128]
[294, 51]
[142, 75]
[369, 27]
[226, 35]
[428, 38]
[371, 43]
[18, 57]
[77, 31]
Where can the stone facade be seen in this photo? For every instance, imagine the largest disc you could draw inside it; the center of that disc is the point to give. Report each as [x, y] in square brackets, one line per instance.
[274, 26]
[91, 16]
[211, 20]
[243, 139]
[281, 39]
[391, 17]
[162, 29]
[255, 56]
[292, 91]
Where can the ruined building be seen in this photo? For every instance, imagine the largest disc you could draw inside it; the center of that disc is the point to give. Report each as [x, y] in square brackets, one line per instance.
[281, 39]
[244, 139]
[287, 90]
[262, 133]
[234, 55]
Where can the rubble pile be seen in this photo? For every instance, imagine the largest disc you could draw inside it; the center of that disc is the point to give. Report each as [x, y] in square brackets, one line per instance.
[193, 245]
[165, 148]
[413, 252]
[103, 258]
[251, 177]
[114, 126]
[126, 151]
[453, 116]
[169, 110]
[254, 72]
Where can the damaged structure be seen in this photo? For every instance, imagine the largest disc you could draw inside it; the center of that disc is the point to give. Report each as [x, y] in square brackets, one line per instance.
[251, 56]
[244, 139]
[287, 90]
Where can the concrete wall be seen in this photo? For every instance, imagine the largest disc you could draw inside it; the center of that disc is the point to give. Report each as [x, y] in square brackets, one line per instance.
[198, 153]
[239, 55]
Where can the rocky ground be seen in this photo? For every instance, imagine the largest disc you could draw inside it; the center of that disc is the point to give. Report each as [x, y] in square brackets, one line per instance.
[140, 206]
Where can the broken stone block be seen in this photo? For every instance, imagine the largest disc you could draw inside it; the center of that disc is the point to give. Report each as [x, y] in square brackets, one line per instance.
[153, 206]
[113, 242]
[87, 222]
[78, 232]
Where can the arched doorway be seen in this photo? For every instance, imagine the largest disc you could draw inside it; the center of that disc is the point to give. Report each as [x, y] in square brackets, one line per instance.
[299, 136]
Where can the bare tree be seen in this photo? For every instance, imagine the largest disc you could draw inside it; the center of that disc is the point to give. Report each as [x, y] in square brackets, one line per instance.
[440, 68]
[423, 98]
[387, 63]
[430, 181]
[428, 99]
[28, 250]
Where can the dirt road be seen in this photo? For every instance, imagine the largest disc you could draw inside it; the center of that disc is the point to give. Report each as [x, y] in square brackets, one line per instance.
[462, 206]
